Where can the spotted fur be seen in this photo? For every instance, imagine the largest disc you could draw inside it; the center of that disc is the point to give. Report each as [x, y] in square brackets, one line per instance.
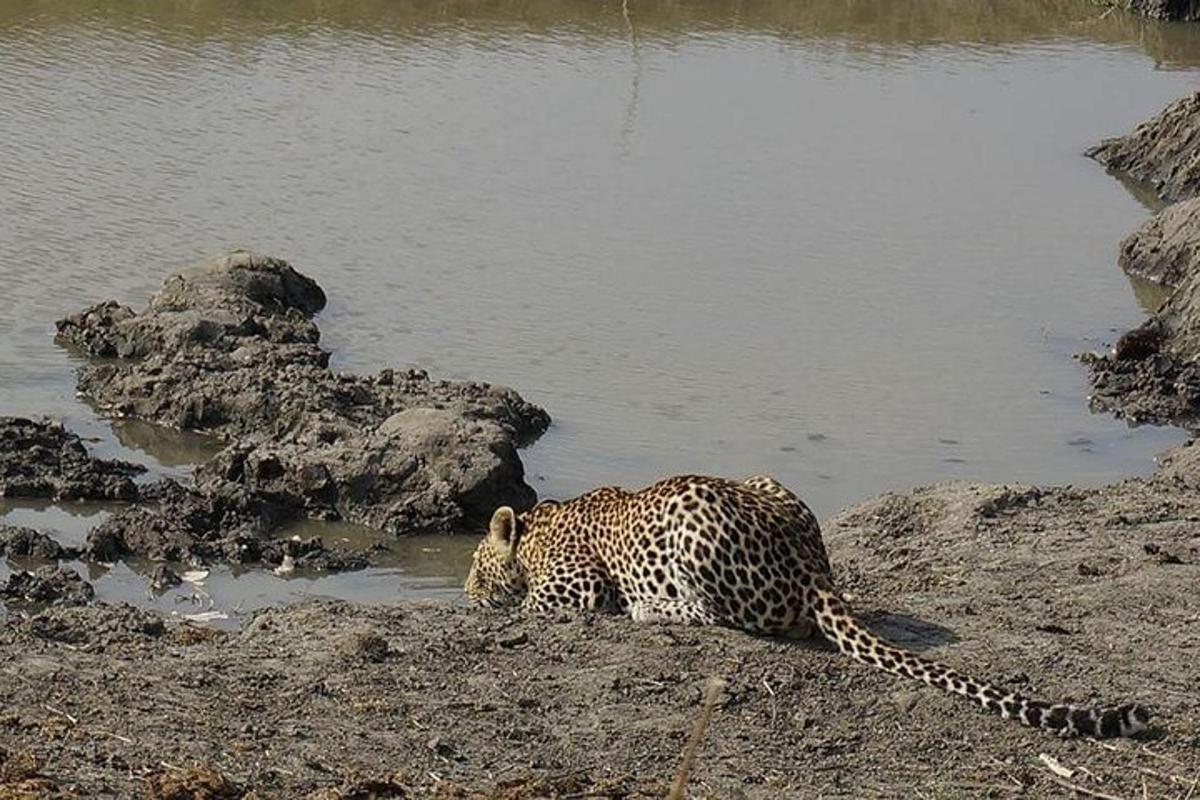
[711, 551]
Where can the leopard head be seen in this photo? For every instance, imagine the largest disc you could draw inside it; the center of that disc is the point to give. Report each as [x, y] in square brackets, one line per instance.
[497, 578]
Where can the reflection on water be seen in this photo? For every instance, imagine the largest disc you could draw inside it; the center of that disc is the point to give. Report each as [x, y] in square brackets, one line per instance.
[1150, 295]
[422, 555]
[66, 523]
[166, 447]
[855, 245]
[898, 24]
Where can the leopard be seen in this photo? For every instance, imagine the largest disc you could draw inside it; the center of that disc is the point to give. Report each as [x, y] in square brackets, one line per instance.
[703, 550]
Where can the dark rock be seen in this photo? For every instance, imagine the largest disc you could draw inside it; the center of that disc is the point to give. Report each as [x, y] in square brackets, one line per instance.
[420, 469]
[17, 542]
[163, 578]
[368, 646]
[51, 585]
[1162, 152]
[1140, 343]
[310, 554]
[223, 523]
[1170, 10]
[42, 459]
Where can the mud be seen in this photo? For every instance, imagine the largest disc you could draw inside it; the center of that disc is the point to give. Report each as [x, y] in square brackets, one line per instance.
[229, 348]
[1151, 374]
[41, 459]
[26, 543]
[1160, 152]
[1166, 250]
[49, 585]
[1085, 594]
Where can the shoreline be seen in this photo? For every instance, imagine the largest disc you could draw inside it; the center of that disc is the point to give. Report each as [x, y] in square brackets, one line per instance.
[1088, 594]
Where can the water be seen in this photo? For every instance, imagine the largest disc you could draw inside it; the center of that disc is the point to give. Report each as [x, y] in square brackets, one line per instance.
[852, 245]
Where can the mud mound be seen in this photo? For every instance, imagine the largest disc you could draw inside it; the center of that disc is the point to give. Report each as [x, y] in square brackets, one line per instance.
[1166, 250]
[229, 348]
[41, 459]
[1152, 373]
[1163, 152]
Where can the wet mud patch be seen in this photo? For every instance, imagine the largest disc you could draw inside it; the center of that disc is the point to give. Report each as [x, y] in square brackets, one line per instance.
[41, 459]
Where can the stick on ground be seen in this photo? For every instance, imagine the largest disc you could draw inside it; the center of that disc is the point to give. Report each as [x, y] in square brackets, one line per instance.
[679, 788]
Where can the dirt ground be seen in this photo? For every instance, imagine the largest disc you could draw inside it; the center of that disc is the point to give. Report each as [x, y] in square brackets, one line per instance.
[1088, 595]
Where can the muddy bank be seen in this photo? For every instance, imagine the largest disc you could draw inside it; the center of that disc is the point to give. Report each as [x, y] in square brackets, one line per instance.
[1087, 594]
[1161, 152]
[1151, 373]
[1167, 248]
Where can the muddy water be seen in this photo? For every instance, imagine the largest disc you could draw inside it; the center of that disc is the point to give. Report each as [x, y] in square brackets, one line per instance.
[852, 245]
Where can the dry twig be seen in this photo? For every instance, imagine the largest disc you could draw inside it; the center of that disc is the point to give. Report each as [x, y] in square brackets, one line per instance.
[679, 788]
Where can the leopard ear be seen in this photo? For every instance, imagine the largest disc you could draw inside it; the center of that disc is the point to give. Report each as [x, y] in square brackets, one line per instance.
[504, 532]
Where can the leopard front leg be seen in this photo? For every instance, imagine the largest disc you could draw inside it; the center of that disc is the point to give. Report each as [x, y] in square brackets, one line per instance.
[658, 609]
[585, 589]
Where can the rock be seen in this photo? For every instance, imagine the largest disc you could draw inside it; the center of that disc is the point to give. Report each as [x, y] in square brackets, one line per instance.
[369, 646]
[17, 542]
[1163, 152]
[42, 459]
[225, 523]
[420, 469]
[201, 781]
[1176, 10]
[222, 522]
[1141, 342]
[51, 585]
[1167, 248]
[309, 554]
[228, 347]
[163, 578]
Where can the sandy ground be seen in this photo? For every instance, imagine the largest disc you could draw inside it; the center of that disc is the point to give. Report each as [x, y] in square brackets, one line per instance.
[1063, 593]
